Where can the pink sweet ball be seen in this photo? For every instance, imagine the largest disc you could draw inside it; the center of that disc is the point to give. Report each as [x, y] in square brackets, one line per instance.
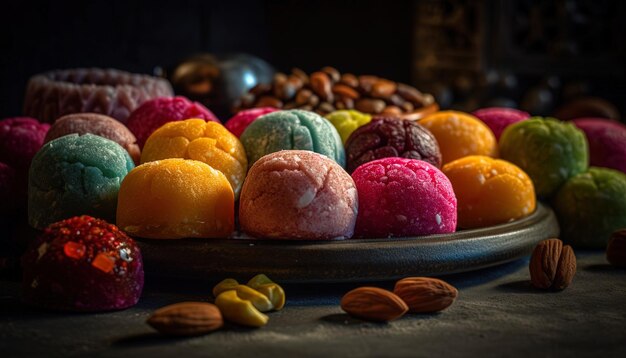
[154, 113]
[498, 118]
[607, 142]
[403, 197]
[240, 121]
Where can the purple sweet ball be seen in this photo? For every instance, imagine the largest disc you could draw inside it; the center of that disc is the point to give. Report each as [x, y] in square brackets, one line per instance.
[498, 118]
[607, 142]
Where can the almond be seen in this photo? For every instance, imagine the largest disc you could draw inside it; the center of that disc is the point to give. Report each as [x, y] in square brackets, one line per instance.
[425, 294]
[552, 265]
[186, 319]
[373, 304]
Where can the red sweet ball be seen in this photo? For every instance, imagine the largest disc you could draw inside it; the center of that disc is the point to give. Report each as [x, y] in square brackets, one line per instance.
[20, 139]
[154, 113]
[82, 264]
[240, 121]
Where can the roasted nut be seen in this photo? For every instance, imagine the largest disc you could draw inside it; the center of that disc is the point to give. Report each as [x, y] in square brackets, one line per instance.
[268, 101]
[301, 74]
[274, 293]
[321, 85]
[374, 304]
[383, 88]
[345, 91]
[186, 319]
[616, 249]
[408, 106]
[368, 105]
[552, 265]
[332, 73]
[260, 89]
[240, 311]
[295, 81]
[344, 103]
[409, 93]
[366, 82]
[225, 285]
[284, 90]
[259, 300]
[392, 111]
[350, 80]
[425, 294]
[258, 280]
[302, 97]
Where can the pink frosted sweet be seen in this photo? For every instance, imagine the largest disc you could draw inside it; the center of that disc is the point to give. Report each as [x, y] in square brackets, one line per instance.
[298, 194]
[240, 121]
[607, 142]
[498, 118]
[403, 197]
[154, 113]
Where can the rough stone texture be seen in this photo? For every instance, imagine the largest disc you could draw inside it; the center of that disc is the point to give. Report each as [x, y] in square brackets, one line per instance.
[497, 314]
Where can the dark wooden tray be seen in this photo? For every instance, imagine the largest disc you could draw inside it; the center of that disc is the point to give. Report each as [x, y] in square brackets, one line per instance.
[348, 260]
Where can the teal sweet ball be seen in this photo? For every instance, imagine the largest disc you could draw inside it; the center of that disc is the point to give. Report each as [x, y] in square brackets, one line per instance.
[76, 175]
[292, 129]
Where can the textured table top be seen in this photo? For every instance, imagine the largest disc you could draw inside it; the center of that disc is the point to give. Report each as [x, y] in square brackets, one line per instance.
[497, 313]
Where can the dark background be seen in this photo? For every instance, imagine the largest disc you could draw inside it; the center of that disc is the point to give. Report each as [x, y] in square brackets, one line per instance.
[537, 55]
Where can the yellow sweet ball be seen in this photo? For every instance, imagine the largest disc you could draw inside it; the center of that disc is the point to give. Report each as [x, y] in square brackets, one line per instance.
[176, 198]
[460, 134]
[347, 121]
[489, 191]
[196, 139]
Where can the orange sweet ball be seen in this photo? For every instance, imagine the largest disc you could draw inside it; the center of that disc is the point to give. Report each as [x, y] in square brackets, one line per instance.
[176, 198]
[208, 142]
[460, 134]
[489, 191]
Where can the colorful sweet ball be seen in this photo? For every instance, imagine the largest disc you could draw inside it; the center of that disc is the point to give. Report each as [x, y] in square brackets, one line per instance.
[154, 113]
[548, 150]
[98, 124]
[208, 142]
[347, 121]
[391, 137]
[176, 198]
[498, 118]
[590, 206]
[76, 175]
[489, 191]
[240, 121]
[607, 142]
[82, 264]
[297, 194]
[292, 129]
[460, 134]
[403, 197]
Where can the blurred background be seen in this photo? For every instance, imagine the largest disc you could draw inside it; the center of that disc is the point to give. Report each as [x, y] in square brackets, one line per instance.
[540, 56]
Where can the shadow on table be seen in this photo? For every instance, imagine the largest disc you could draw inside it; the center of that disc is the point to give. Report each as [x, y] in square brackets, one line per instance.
[343, 319]
[155, 338]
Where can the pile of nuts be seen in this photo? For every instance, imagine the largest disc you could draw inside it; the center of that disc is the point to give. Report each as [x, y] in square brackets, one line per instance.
[328, 90]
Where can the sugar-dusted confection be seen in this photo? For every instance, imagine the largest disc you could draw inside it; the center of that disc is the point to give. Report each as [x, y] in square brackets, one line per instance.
[174, 199]
[590, 206]
[112, 92]
[293, 129]
[607, 142]
[391, 137]
[98, 124]
[498, 118]
[489, 191]
[347, 121]
[296, 194]
[548, 150]
[154, 113]
[240, 121]
[76, 175]
[403, 197]
[82, 264]
[460, 134]
[196, 139]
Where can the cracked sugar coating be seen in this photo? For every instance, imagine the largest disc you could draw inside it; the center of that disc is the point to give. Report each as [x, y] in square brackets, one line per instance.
[98, 124]
[82, 264]
[76, 175]
[607, 142]
[240, 121]
[208, 142]
[548, 150]
[174, 199]
[154, 113]
[403, 197]
[297, 194]
[489, 191]
[292, 129]
[391, 137]
[498, 118]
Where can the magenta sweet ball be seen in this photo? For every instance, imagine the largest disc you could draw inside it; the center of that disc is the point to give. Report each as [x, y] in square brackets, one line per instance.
[403, 197]
[154, 113]
[498, 118]
[240, 121]
[607, 142]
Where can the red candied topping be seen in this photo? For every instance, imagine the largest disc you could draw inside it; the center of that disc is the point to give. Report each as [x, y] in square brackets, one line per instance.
[104, 262]
[74, 250]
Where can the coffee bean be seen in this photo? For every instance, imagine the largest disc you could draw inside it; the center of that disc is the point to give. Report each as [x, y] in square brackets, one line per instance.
[369, 105]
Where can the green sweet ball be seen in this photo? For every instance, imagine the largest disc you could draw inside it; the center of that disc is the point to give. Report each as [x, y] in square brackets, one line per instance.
[548, 150]
[76, 175]
[292, 129]
[590, 206]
